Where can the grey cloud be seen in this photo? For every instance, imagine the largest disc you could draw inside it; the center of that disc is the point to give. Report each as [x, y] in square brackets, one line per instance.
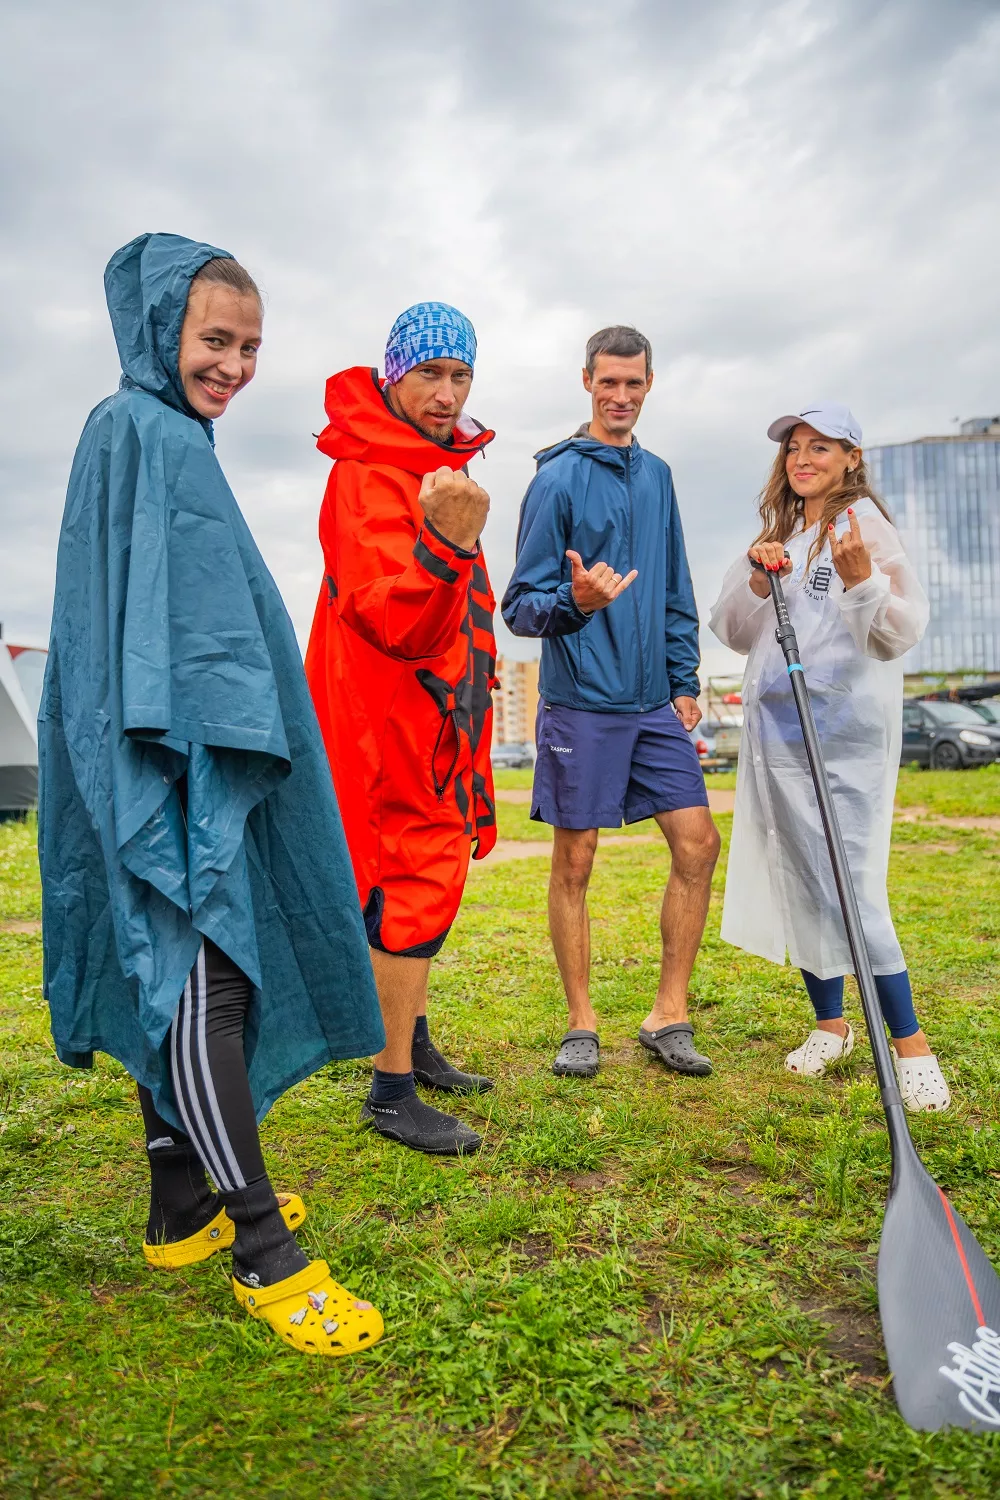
[790, 198]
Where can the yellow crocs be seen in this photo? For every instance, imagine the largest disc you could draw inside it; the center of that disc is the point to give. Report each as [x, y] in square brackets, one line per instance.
[313, 1313]
[218, 1235]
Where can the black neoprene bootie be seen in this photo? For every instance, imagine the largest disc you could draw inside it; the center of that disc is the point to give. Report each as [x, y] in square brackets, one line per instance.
[413, 1123]
[265, 1250]
[434, 1071]
[181, 1198]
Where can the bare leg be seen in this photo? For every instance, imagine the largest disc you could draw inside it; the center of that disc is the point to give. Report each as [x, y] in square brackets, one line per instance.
[569, 923]
[694, 849]
[402, 994]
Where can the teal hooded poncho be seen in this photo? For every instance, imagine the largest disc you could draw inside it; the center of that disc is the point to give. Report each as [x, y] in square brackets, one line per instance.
[172, 656]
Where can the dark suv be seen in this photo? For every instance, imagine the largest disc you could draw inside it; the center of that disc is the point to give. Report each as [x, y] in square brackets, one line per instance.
[947, 736]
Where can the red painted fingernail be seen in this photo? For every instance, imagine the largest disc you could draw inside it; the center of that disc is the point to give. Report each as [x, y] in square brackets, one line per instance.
[850, 510]
[830, 527]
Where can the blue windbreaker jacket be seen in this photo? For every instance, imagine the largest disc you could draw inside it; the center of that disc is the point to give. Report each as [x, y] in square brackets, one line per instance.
[613, 505]
[172, 656]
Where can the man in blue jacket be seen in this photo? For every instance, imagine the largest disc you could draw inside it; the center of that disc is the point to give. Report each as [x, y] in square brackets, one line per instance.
[602, 577]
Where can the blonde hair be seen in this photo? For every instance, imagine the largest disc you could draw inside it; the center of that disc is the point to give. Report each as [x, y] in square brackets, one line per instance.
[780, 508]
[224, 271]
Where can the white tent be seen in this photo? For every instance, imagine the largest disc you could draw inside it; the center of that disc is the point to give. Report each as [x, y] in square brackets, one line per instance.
[18, 742]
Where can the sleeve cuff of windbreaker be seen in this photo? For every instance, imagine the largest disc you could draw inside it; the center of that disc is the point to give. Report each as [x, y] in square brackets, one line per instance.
[439, 556]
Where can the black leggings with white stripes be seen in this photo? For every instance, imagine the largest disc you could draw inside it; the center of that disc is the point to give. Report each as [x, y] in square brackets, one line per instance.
[214, 1102]
[209, 1073]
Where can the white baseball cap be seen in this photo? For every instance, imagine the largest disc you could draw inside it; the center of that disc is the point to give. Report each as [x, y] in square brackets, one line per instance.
[828, 417]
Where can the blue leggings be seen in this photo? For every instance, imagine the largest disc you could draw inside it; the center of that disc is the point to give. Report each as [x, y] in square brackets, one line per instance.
[894, 995]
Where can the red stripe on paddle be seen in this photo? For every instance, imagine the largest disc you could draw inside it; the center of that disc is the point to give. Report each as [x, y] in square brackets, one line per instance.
[965, 1264]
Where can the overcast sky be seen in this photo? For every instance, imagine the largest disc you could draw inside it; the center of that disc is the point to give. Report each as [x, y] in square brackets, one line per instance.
[792, 200]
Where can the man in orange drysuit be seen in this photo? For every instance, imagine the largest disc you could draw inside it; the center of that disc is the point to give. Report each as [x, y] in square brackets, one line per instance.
[400, 663]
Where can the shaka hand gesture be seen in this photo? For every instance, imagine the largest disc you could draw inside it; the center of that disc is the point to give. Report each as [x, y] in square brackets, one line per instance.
[595, 588]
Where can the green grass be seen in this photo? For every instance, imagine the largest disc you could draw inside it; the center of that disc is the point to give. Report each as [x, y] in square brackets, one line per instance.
[643, 1286]
[951, 793]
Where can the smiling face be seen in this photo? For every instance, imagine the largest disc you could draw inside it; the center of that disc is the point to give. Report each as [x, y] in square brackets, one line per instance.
[815, 464]
[618, 387]
[220, 337]
[432, 396]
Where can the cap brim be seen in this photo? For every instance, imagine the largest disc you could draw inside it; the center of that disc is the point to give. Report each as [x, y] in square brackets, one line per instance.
[782, 427]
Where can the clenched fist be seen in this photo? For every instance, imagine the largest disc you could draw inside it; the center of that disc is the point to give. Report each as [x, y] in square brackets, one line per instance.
[596, 587]
[455, 506]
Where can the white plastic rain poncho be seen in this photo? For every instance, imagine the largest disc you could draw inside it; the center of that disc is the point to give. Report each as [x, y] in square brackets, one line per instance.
[780, 893]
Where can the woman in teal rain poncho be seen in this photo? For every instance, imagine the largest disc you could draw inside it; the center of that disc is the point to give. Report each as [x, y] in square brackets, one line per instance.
[201, 921]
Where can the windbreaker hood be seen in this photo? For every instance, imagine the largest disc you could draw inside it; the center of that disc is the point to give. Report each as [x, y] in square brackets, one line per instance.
[581, 442]
[362, 427]
[147, 283]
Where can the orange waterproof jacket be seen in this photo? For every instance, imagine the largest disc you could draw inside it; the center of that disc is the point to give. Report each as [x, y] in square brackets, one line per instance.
[401, 664]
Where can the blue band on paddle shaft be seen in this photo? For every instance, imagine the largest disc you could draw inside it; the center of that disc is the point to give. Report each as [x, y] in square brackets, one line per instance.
[796, 667]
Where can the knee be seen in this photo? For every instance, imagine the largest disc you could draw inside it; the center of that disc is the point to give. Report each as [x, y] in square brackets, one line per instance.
[571, 868]
[695, 857]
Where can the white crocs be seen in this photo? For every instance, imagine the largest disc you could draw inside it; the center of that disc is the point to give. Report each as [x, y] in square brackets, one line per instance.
[921, 1083]
[818, 1051]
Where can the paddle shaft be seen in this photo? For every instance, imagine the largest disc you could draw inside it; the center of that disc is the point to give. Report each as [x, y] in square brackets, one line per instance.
[899, 1133]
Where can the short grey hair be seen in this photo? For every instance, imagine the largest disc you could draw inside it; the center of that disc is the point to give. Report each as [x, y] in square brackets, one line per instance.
[621, 339]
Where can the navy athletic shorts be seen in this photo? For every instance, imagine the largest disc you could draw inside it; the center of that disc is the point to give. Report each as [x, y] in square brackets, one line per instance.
[600, 770]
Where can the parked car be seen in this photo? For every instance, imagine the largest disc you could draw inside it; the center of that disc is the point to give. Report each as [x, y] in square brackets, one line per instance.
[512, 757]
[947, 736]
[701, 740]
[988, 711]
[726, 735]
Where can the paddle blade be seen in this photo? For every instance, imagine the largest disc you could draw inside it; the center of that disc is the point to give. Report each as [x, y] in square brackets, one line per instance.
[939, 1301]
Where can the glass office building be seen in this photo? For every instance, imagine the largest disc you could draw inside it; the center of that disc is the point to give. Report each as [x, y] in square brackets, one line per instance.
[944, 495]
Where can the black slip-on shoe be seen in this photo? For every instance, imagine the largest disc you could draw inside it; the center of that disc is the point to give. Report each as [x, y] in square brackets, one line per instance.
[674, 1045]
[434, 1071]
[579, 1055]
[420, 1126]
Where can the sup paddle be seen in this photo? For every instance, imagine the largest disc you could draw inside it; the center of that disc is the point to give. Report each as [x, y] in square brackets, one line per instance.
[938, 1295]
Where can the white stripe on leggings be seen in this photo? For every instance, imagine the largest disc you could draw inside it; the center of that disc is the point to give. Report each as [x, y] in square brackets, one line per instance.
[189, 1107]
[221, 1133]
[192, 1007]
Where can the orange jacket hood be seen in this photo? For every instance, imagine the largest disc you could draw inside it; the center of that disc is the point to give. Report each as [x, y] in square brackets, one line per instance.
[361, 426]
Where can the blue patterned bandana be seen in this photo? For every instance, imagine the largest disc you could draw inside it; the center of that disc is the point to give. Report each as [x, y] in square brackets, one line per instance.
[426, 331]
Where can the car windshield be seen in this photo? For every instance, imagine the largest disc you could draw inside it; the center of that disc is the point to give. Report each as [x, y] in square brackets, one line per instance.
[953, 713]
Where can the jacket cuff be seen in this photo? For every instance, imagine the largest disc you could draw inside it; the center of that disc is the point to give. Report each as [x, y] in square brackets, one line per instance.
[582, 615]
[435, 553]
[684, 690]
[871, 590]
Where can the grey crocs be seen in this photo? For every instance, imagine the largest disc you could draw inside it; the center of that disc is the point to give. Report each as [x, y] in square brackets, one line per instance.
[674, 1045]
[578, 1056]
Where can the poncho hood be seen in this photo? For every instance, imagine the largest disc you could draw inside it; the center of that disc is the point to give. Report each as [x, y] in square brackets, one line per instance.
[362, 427]
[147, 283]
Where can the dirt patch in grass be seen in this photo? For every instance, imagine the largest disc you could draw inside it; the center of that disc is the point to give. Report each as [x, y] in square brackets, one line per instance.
[938, 820]
[21, 927]
[851, 1335]
[536, 1249]
[591, 1182]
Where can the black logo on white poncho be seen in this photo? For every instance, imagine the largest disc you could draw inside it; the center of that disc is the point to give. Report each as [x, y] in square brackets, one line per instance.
[976, 1372]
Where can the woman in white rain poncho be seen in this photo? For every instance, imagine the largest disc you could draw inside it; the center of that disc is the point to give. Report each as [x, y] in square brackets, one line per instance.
[856, 605]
